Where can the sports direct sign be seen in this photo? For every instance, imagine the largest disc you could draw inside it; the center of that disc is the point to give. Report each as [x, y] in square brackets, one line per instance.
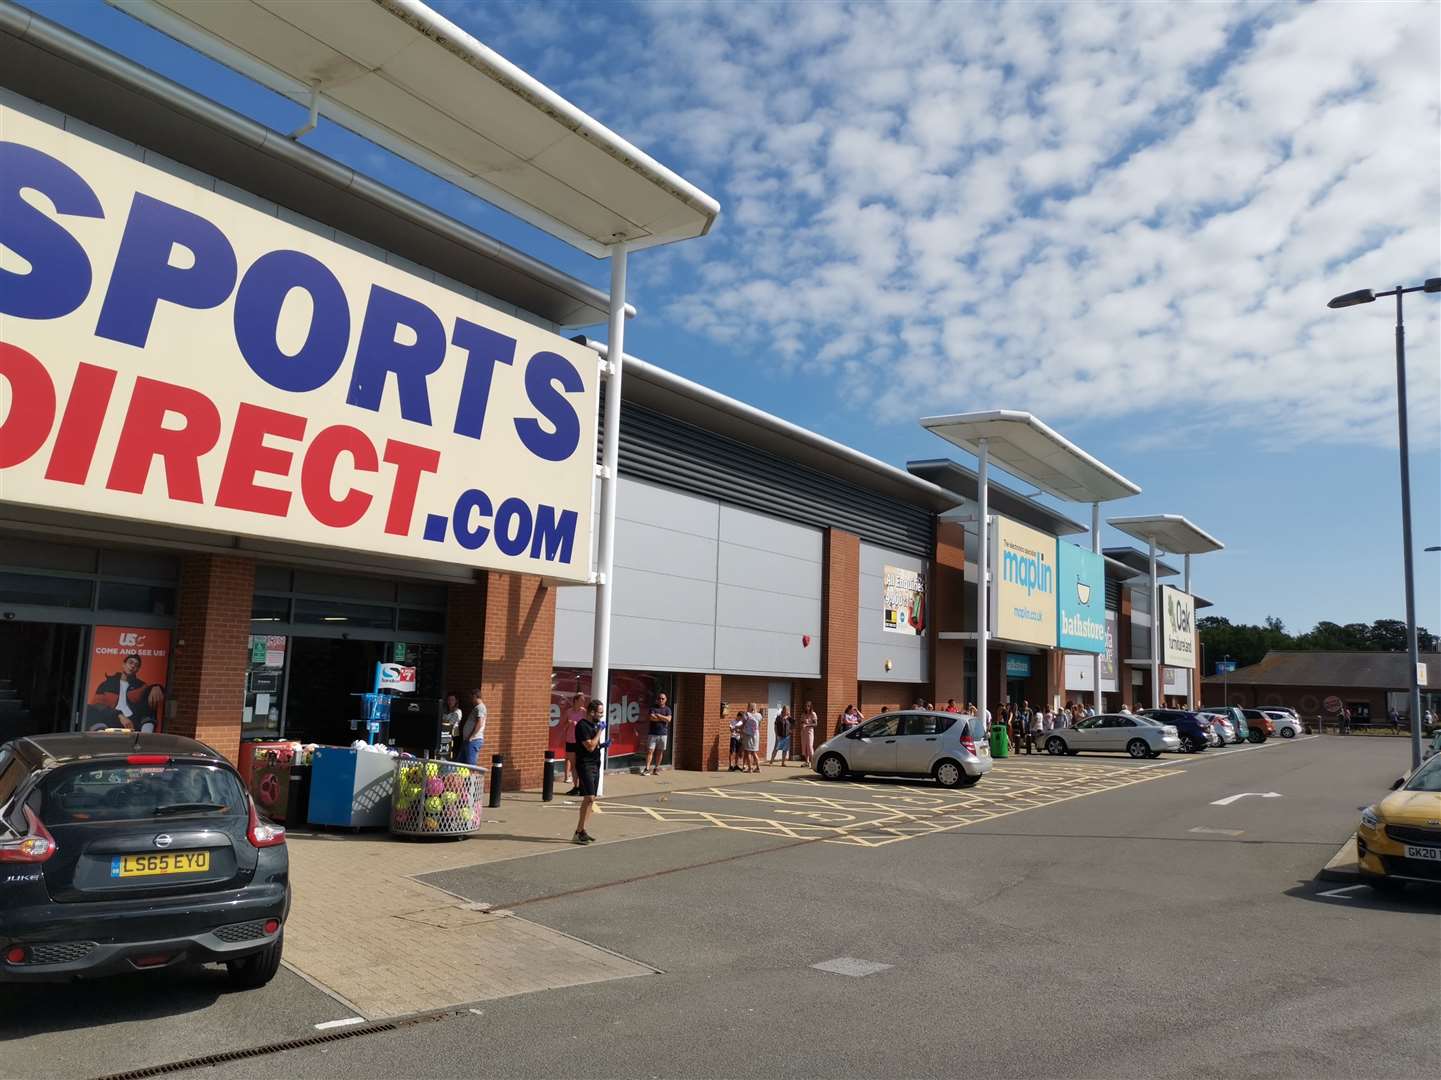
[168, 355]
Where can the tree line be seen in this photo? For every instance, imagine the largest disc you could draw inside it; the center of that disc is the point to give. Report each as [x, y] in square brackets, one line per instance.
[1246, 643]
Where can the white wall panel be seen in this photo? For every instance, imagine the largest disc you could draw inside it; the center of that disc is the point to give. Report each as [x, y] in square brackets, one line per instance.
[909, 655]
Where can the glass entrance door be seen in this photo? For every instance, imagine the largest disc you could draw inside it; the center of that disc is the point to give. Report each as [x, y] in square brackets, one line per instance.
[39, 665]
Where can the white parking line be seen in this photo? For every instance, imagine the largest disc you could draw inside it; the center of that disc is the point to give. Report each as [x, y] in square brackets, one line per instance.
[1342, 892]
[347, 1022]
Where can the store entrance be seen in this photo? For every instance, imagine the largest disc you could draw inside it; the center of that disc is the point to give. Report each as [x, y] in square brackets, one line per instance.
[38, 665]
[324, 673]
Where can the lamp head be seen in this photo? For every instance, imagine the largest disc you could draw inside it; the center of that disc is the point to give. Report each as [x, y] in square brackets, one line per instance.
[1351, 299]
[1432, 284]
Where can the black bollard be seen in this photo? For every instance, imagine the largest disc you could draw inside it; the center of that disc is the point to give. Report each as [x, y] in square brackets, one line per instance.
[497, 771]
[547, 782]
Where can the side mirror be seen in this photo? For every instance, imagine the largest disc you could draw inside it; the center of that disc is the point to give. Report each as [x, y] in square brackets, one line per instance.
[1397, 785]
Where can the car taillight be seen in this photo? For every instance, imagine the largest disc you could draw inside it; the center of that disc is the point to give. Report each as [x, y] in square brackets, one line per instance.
[148, 759]
[968, 744]
[16, 955]
[263, 834]
[35, 847]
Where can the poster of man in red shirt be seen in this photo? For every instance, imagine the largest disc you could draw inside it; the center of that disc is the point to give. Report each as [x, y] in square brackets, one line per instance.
[128, 668]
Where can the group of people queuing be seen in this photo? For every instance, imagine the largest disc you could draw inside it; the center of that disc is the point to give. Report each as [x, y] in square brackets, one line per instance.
[1028, 727]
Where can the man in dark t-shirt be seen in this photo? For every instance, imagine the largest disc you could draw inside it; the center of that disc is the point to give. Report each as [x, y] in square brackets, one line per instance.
[587, 765]
[660, 720]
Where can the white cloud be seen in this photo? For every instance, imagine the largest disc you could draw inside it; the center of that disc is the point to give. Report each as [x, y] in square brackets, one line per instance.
[1082, 209]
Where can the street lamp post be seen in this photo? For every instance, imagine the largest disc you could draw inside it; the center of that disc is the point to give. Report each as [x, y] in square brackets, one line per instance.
[1366, 296]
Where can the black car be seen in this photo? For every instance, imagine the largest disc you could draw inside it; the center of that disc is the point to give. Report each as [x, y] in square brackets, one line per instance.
[122, 852]
[1193, 728]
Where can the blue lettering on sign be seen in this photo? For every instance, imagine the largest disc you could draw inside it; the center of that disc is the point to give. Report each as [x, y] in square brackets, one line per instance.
[1032, 573]
[258, 302]
[380, 353]
[58, 280]
[544, 371]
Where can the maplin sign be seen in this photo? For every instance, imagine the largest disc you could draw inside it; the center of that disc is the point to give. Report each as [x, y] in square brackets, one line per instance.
[1178, 628]
[170, 356]
[1023, 595]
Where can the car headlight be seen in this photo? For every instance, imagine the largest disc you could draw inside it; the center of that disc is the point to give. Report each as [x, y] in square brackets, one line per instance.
[1370, 819]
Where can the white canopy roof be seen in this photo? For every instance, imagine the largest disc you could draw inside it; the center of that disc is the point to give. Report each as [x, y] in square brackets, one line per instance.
[1171, 532]
[401, 75]
[1019, 443]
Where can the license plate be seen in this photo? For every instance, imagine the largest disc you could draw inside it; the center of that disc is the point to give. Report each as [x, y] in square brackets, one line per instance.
[170, 862]
[1414, 852]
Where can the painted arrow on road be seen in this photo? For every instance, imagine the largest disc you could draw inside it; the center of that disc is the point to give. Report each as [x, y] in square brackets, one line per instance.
[1229, 799]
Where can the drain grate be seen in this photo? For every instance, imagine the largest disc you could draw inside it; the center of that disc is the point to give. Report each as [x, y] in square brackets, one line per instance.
[374, 1028]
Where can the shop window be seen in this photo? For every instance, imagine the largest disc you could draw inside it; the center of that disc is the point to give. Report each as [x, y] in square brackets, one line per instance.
[432, 622]
[378, 589]
[271, 609]
[46, 591]
[422, 595]
[139, 564]
[46, 555]
[632, 693]
[124, 596]
[340, 616]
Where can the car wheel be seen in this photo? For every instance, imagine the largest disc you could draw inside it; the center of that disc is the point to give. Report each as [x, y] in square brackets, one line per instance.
[1257, 737]
[1384, 885]
[950, 775]
[254, 971]
[832, 767]
[1194, 745]
[1056, 745]
[1138, 748]
[1288, 733]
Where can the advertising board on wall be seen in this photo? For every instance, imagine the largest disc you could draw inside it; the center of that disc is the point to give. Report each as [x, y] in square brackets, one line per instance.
[1080, 599]
[903, 605]
[1178, 628]
[1109, 684]
[168, 355]
[1023, 593]
[125, 679]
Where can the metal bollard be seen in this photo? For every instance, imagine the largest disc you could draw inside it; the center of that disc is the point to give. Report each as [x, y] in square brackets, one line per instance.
[547, 782]
[497, 771]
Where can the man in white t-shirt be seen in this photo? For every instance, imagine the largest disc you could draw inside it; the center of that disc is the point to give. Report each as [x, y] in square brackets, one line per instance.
[472, 731]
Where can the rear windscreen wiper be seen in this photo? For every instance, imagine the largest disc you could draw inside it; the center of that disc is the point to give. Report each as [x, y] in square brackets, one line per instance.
[187, 807]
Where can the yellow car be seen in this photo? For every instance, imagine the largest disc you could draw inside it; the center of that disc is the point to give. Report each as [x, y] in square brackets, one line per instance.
[1400, 837]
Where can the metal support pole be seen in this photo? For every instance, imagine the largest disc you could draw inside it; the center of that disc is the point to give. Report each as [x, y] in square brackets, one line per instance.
[1155, 633]
[1096, 660]
[983, 562]
[610, 455]
[1405, 450]
[1191, 678]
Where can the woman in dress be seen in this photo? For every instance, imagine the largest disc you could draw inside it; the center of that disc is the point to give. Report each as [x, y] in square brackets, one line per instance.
[809, 720]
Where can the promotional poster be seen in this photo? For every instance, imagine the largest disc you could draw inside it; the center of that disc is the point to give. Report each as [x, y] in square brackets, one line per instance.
[1178, 628]
[628, 717]
[1080, 598]
[904, 602]
[125, 681]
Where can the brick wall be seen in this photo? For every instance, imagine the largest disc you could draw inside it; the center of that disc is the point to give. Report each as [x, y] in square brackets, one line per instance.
[873, 696]
[210, 652]
[464, 638]
[840, 649]
[701, 734]
[519, 643]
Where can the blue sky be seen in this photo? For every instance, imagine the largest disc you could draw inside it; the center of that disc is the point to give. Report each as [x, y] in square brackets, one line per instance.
[1125, 218]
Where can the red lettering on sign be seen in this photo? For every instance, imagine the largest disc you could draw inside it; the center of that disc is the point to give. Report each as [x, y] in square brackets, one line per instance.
[80, 425]
[318, 469]
[32, 405]
[249, 455]
[409, 461]
[144, 438]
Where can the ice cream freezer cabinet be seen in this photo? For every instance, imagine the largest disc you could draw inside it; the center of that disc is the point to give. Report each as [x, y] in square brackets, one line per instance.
[351, 788]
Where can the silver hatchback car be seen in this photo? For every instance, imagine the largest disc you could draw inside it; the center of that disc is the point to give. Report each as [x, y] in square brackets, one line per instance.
[946, 746]
[1135, 735]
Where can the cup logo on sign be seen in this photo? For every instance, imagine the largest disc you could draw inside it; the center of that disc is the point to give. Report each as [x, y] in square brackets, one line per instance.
[1083, 591]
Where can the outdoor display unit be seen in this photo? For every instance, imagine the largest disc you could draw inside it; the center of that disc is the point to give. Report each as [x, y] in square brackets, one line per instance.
[400, 74]
[1026, 448]
[1176, 609]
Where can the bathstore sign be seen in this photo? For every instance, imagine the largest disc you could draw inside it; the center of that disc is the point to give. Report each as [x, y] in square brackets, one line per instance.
[1080, 599]
[168, 355]
[1178, 630]
[1023, 596]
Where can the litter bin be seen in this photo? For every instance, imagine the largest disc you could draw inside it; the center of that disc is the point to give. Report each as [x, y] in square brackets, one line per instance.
[1000, 741]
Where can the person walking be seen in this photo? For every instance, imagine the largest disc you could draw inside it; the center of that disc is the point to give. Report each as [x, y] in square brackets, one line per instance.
[809, 720]
[587, 766]
[751, 732]
[660, 721]
[472, 731]
[782, 747]
[1395, 718]
[1345, 720]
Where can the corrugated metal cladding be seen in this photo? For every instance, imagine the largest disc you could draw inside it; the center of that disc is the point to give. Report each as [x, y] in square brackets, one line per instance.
[1113, 595]
[667, 451]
